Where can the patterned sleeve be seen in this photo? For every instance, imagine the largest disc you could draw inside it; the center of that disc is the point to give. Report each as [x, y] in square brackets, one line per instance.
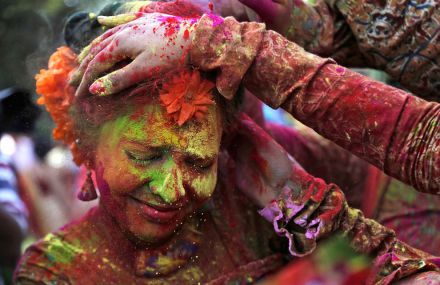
[391, 129]
[399, 37]
[312, 209]
[321, 30]
[309, 208]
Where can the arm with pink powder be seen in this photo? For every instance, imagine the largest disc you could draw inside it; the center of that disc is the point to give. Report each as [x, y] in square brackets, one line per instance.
[398, 37]
[304, 208]
[396, 132]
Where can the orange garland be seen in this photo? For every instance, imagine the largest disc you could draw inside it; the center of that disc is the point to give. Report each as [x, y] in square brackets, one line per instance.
[187, 95]
[58, 95]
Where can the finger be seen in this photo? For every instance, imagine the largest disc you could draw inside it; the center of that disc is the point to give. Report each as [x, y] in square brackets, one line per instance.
[97, 41]
[89, 53]
[97, 44]
[85, 51]
[113, 21]
[131, 74]
[101, 63]
[77, 76]
[133, 7]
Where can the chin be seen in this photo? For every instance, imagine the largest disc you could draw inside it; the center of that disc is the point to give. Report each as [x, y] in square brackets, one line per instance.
[148, 231]
[152, 234]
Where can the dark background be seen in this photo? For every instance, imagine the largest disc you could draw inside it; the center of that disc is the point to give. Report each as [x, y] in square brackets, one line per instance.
[30, 31]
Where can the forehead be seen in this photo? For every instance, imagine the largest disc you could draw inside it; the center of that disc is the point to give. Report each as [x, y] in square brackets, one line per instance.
[150, 126]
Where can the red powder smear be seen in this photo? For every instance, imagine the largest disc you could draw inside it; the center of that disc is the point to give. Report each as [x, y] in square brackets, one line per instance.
[96, 89]
[340, 69]
[103, 56]
[216, 20]
[171, 24]
[211, 6]
[261, 163]
[139, 14]
[186, 35]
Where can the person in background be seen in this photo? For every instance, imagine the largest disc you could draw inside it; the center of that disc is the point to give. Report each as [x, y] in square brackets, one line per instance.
[17, 117]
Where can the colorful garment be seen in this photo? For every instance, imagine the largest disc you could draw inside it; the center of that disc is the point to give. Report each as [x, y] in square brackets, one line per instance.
[414, 216]
[399, 37]
[236, 245]
[398, 133]
[10, 200]
[326, 96]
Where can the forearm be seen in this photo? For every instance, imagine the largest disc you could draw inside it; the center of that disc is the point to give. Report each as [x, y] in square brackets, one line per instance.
[390, 128]
[394, 259]
[336, 165]
[313, 209]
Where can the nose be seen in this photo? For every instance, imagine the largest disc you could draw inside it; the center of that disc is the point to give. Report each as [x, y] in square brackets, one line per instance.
[168, 184]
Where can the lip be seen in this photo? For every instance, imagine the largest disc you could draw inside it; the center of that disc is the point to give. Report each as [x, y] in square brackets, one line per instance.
[155, 213]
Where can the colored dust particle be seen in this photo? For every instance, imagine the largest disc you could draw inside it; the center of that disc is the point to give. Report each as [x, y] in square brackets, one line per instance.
[172, 25]
[186, 35]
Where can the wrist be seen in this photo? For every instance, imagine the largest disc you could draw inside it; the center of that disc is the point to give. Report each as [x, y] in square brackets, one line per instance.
[227, 46]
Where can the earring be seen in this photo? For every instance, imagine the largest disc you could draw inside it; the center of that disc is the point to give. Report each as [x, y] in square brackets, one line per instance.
[88, 191]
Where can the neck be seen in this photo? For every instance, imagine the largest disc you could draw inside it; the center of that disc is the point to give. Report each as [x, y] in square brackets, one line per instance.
[170, 255]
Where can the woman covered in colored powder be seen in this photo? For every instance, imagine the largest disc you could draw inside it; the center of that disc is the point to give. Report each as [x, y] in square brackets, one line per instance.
[179, 203]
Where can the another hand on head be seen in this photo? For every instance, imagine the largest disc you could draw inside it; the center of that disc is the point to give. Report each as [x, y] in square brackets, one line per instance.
[154, 43]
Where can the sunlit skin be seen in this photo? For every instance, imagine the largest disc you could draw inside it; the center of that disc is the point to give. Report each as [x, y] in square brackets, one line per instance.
[143, 157]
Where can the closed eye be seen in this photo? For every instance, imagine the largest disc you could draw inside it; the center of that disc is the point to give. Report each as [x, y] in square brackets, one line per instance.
[200, 164]
[143, 158]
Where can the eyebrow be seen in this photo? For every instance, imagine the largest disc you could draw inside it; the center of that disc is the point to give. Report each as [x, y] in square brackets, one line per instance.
[141, 144]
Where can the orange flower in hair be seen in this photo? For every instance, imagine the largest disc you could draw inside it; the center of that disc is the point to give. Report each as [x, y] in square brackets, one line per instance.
[58, 95]
[187, 95]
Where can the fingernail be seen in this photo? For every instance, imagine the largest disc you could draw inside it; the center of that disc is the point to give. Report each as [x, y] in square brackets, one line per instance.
[98, 88]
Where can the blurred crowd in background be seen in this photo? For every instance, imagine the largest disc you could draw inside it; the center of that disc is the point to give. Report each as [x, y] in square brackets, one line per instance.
[38, 180]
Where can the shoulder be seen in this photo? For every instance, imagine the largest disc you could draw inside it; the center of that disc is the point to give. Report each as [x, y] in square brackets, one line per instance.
[51, 259]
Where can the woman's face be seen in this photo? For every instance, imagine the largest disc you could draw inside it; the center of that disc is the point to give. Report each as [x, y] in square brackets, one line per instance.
[151, 173]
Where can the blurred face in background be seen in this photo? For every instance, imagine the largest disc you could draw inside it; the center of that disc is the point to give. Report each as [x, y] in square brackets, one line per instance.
[151, 173]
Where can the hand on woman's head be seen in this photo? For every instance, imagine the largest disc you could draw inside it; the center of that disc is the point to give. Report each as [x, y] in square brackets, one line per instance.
[154, 43]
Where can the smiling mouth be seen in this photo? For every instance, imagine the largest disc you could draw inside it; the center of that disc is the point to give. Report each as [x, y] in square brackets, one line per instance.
[158, 214]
